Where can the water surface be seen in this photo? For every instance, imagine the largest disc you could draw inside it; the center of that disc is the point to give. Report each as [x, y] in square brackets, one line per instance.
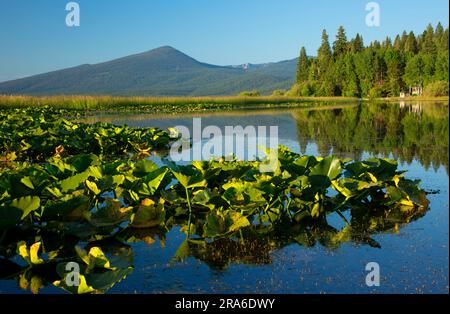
[413, 259]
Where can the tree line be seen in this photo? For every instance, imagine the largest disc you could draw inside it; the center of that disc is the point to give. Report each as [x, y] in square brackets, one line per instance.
[381, 69]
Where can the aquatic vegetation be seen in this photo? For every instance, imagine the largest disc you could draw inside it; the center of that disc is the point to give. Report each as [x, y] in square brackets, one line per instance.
[36, 134]
[73, 192]
[161, 104]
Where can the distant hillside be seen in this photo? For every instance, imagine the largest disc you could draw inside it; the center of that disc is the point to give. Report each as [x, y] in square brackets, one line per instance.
[164, 71]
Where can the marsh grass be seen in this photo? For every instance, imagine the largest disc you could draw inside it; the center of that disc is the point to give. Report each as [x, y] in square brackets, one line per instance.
[159, 103]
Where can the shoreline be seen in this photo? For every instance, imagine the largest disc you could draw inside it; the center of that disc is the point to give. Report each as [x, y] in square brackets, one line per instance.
[188, 104]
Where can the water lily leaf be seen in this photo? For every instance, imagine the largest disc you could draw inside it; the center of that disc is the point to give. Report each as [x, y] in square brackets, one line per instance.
[183, 179]
[99, 274]
[189, 182]
[301, 165]
[205, 198]
[340, 237]
[65, 205]
[183, 252]
[34, 251]
[143, 167]
[242, 192]
[74, 182]
[219, 223]
[215, 225]
[82, 254]
[185, 249]
[149, 214]
[153, 181]
[394, 193]
[103, 281]
[22, 250]
[357, 168]
[94, 259]
[329, 167]
[381, 168]
[93, 187]
[102, 273]
[118, 179]
[315, 211]
[238, 221]
[27, 182]
[83, 161]
[30, 255]
[82, 288]
[97, 259]
[26, 204]
[350, 187]
[111, 214]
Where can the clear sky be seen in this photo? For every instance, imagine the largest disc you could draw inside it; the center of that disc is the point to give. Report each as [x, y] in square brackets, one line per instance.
[34, 37]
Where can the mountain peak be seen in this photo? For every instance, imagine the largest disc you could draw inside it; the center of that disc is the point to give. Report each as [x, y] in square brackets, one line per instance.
[165, 49]
[160, 71]
[168, 54]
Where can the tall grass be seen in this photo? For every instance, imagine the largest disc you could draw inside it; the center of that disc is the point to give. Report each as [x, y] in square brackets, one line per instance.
[155, 103]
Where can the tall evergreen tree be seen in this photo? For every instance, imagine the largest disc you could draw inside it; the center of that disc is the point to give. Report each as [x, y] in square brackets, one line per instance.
[323, 55]
[357, 44]
[302, 66]
[414, 71]
[351, 86]
[313, 74]
[387, 43]
[403, 39]
[439, 32]
[340, 45]
[397, 43]
[393, 71]
[441, 38]
[428, 45]
[441, 66]
[411, 43]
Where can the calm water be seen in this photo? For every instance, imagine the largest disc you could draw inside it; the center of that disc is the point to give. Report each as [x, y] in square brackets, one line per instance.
[412, 260]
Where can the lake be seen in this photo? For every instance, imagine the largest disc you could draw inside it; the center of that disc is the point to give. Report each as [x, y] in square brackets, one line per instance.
[413, 257]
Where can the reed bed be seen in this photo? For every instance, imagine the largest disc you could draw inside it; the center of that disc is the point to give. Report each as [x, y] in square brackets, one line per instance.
[156, 103]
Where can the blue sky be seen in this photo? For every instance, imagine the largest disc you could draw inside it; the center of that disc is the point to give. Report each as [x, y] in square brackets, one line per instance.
[35, 38]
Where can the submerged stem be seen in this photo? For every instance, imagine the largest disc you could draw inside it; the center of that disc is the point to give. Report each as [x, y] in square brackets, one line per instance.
[190, 212]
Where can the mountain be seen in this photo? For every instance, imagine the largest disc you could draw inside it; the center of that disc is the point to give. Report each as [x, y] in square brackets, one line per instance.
[163, 71]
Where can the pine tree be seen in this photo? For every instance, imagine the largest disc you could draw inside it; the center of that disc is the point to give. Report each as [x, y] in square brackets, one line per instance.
[340, 45]
[428, 46]
[351, 86]
[357, 44]
[313, 71]
[387, 43]
[441, 66]
[376, 45]
[394, 71]
[411, 43]
[397, 43]
[323, 56]
[302, 66]
[439, 32]
[444, 41]
[440, 39]
[414, 71]
[403, 39]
